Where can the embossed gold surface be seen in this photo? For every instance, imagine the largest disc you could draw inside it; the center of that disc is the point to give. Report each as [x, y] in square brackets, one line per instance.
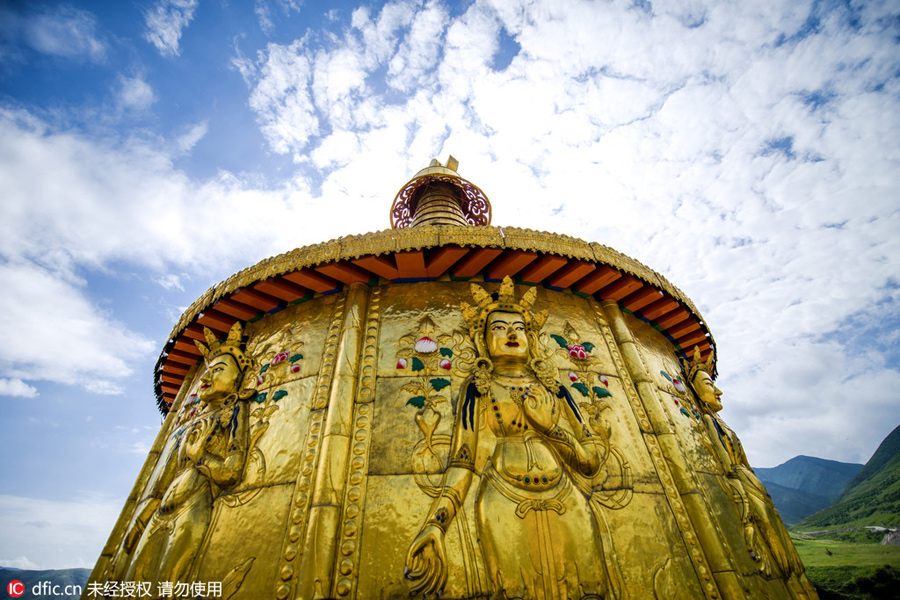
[357, 460]
[411, 429]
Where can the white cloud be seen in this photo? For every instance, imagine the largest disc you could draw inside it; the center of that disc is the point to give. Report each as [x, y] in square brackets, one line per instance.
[46, 317]
[281, 98]
[170, 281]
[109, 201]
[20, 562]
[747, 155]
[64, 534]
[187, 141]
[134, 93]
[64, 31]
[166, 22]
[263, 11]
[17, 388]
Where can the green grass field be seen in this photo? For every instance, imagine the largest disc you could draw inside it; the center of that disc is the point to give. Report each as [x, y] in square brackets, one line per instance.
[815, 553]
[848, 570]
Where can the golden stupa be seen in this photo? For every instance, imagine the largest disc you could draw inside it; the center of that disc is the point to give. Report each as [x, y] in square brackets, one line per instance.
[446, 408]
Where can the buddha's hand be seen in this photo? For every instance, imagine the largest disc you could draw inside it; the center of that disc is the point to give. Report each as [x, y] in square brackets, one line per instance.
[196, 442]
[540, 412]
[425, 562]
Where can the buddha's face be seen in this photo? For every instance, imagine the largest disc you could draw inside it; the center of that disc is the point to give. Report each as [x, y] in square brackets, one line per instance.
[707, 391]
[220, 379]
[505, 336]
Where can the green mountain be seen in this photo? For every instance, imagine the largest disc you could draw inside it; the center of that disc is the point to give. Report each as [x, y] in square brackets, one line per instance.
[57, 583]
[805, 485]
[817, 476]
[872, 497]
[886, 452]
[795, 505]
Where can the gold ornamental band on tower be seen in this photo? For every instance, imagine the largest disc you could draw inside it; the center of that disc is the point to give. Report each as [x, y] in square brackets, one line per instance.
[446, 408]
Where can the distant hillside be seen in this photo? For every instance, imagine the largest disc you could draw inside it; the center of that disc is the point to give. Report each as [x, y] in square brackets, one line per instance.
[805, 485]
[872, 497]
[56, 577]
[795, 505]
[826, 478]
[887, 451]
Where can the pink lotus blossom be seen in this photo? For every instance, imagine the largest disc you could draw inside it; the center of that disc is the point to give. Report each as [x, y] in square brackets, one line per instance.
[295, 368]
[280, 357]
[401, 363]
[573, 376]
[678, 385]
[604, 380]
[445, 364]
[577, 351]
[426, 345]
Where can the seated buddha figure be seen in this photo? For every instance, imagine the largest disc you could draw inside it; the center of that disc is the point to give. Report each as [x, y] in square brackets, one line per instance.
[207, 456]
[522, 434]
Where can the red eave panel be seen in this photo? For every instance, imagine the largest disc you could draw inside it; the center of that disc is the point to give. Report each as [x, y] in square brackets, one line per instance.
[216, 320]
[621, 288]
[441, 259]
[683, 329]
[601, 277]
[183, 357]
[477, 259]
[663, 306]
[510, 263]
[238, 310]
[542, 268]
[411, 264]
[312, 280]
[280, 288]
[690, 340]
[344, 272]
[256, 300]
[676, 316]
[169, 389]
[174, 368]
[383, 266]
[641, 298]
[571, 273]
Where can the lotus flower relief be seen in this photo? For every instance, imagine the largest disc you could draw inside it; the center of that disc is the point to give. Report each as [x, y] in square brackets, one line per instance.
[577, 351]
[280, 357]
[572, 346]
[426, 345]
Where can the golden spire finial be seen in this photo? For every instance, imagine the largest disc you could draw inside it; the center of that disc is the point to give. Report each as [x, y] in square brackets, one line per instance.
[437, 195]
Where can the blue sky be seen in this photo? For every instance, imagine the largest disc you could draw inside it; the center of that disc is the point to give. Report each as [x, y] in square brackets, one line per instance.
[748, 151]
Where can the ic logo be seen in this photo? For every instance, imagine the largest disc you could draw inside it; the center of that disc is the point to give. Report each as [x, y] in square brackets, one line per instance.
[15, 588]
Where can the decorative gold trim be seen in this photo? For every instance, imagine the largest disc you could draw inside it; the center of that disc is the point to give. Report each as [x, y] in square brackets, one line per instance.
[391, 241]
[347, 559]
[606, 313]
[289, 565]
